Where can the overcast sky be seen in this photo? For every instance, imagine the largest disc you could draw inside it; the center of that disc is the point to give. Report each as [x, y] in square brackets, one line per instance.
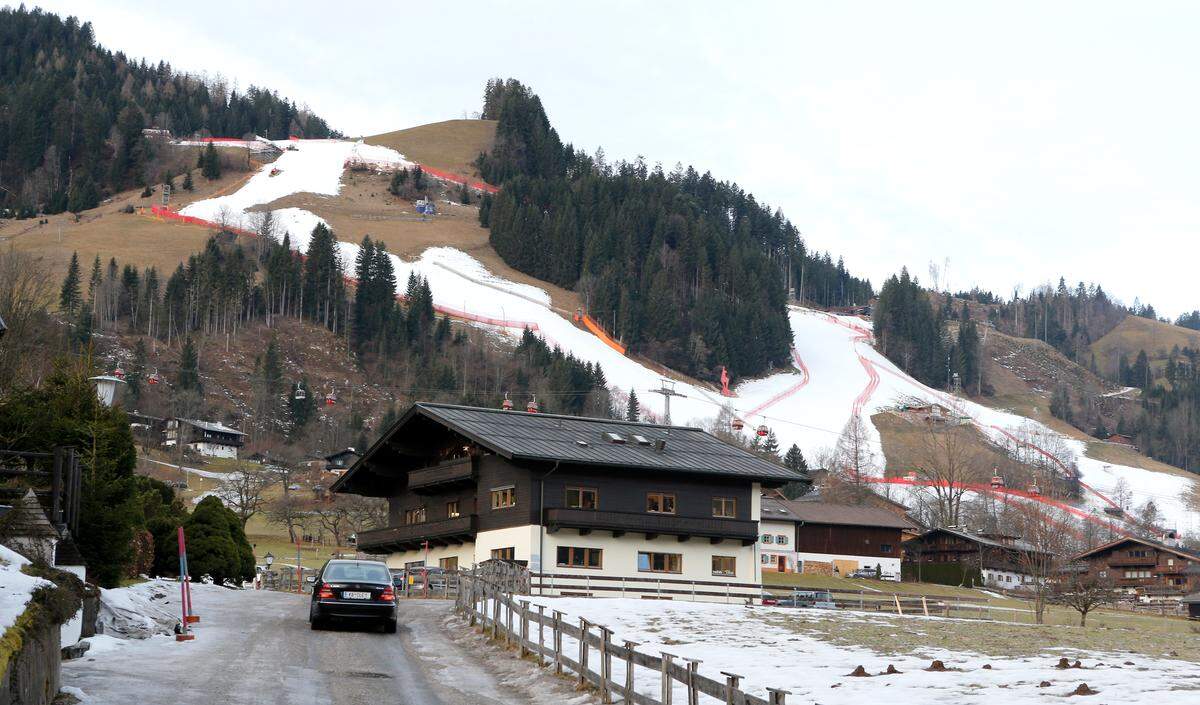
[1020, 141]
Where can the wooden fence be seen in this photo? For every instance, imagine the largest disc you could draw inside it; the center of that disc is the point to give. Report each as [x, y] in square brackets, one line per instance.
[528, 628]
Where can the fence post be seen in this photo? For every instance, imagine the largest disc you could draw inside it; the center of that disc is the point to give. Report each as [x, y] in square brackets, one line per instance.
[777, 696]
[583, 651]
[495, 612]
[667, 689]
[605, 665]
[924, 605]
[732, 682]
[693, 668]
[860, 600]
[629, 648]
[508, 610]
[524, 638]
[474, 603]
[541, 635]
[899, 609]
[558, 666]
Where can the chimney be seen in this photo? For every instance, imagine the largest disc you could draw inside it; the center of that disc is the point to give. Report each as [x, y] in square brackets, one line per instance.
[660, 446]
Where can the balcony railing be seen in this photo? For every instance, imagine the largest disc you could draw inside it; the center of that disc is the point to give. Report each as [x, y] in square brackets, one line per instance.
[410, 536]
[652, 524]
[1117, 560]
[441, 476]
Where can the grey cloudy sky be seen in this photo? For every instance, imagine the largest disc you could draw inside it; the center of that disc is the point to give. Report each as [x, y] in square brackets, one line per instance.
[1022, 141]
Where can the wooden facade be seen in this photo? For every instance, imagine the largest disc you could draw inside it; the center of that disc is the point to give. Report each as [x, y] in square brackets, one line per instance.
[1144, 567]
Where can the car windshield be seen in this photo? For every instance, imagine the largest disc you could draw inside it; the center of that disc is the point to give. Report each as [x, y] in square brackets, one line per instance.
[364, 572]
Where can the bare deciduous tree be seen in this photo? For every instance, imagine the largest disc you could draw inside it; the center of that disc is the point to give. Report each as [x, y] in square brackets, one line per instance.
[1044, 531]
[244, 490]
[851, 463]
[25, 287]
[948, 462]
[1083, 591]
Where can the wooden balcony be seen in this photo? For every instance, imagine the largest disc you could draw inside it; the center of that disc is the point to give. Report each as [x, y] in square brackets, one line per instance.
[1144, 561]
[412, 536]
[442, 476]
[587, 520]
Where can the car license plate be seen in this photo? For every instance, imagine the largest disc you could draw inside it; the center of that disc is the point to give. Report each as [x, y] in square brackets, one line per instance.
[349, 595]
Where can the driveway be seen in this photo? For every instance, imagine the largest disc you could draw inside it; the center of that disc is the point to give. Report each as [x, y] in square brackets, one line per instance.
[256, 647]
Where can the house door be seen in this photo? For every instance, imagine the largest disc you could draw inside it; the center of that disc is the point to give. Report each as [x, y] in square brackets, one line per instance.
[782, 564]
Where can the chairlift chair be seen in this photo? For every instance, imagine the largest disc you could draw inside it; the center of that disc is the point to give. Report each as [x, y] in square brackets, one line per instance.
[119, 373]
[154, 377]
[738, 424]
[507, 404]
[910, 476]
[299, 394]
[762, 431]
[997, 482]
[1035, 490]
[532, 406]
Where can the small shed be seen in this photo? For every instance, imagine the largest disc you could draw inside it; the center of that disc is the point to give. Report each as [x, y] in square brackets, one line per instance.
[1192, 602]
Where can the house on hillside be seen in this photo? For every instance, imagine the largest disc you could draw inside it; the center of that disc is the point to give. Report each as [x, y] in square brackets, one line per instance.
[1145, 568]
[1002, 561]
[830, 539]
[204, 437]
[591, 506]
[1122, 440]
[339, 462]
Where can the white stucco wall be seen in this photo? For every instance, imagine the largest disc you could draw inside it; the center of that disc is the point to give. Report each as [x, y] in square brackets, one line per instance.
[214, 450]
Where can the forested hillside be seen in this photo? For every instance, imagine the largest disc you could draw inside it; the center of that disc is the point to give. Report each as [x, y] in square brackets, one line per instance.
[683, 268]
[72, 114]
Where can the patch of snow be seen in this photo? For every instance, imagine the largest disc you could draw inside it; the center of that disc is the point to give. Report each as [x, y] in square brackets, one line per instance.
[16, 588]
[756, 645]
[139, 611]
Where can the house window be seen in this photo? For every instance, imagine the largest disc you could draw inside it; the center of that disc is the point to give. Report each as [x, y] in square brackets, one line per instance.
[724, 565]
[1104, 574]
[767, 538]
[1134, 574]
[504, 497]
[575, 557]
[504, 554]
[413, 565]
[1137, 553]
[885, 548]
[660, 503]
[582, 498]
[450, 563]
[1170, 561]
[414, 516]
[724, 507]
[781, 539]
[660, 562]
[452, 509]
[767, 558]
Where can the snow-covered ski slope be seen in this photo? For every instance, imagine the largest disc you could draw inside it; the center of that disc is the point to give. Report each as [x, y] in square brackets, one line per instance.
[836, 372]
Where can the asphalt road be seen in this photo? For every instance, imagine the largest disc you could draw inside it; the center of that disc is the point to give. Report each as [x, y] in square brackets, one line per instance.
[256, 647]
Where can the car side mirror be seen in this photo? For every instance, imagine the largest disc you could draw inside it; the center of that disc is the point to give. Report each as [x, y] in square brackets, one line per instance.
[311, 579]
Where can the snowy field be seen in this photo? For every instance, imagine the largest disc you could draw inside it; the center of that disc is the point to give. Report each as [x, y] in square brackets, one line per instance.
[16, 588]
[837, 372]
[799, 650]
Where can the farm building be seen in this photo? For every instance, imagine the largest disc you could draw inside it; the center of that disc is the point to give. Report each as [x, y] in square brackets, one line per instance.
[204, 437]
[1001, 561]
[830, 539]
[1145, 568]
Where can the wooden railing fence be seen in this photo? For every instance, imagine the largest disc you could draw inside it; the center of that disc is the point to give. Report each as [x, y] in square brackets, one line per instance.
[488, 605]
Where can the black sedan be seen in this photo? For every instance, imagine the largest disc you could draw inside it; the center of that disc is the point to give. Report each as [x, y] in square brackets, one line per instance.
[354, 591]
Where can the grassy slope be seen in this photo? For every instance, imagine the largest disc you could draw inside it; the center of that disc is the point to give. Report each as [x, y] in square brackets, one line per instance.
[105, 231]
[1134, 334]
[451, 145]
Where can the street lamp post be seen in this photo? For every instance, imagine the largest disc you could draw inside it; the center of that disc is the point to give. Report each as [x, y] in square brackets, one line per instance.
[269, 559]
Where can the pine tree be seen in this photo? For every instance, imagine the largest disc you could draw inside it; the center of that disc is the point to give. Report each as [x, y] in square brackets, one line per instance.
[272, 378]
[69, 298]
[210, 163]
[189, 368]
[633, 412]
[770, 446]
[187, 181]
[137, 371]
[794, 459]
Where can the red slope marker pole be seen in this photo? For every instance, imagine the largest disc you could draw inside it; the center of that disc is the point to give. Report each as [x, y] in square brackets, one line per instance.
[184, 599]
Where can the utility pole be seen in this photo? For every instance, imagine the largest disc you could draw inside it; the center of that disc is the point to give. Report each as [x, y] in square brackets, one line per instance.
[667, 390]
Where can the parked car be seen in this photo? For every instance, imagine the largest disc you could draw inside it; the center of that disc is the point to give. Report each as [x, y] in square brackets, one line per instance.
[864, 574]
[818, 599]
[352, 590]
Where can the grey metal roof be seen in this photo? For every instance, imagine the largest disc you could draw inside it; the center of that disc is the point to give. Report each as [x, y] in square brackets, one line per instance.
[576, 439]
[828, 513]
[212, 426]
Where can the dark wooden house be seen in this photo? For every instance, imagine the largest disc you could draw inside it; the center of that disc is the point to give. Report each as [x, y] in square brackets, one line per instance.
[565, 495]
[1145, 568]
[1002, 561]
